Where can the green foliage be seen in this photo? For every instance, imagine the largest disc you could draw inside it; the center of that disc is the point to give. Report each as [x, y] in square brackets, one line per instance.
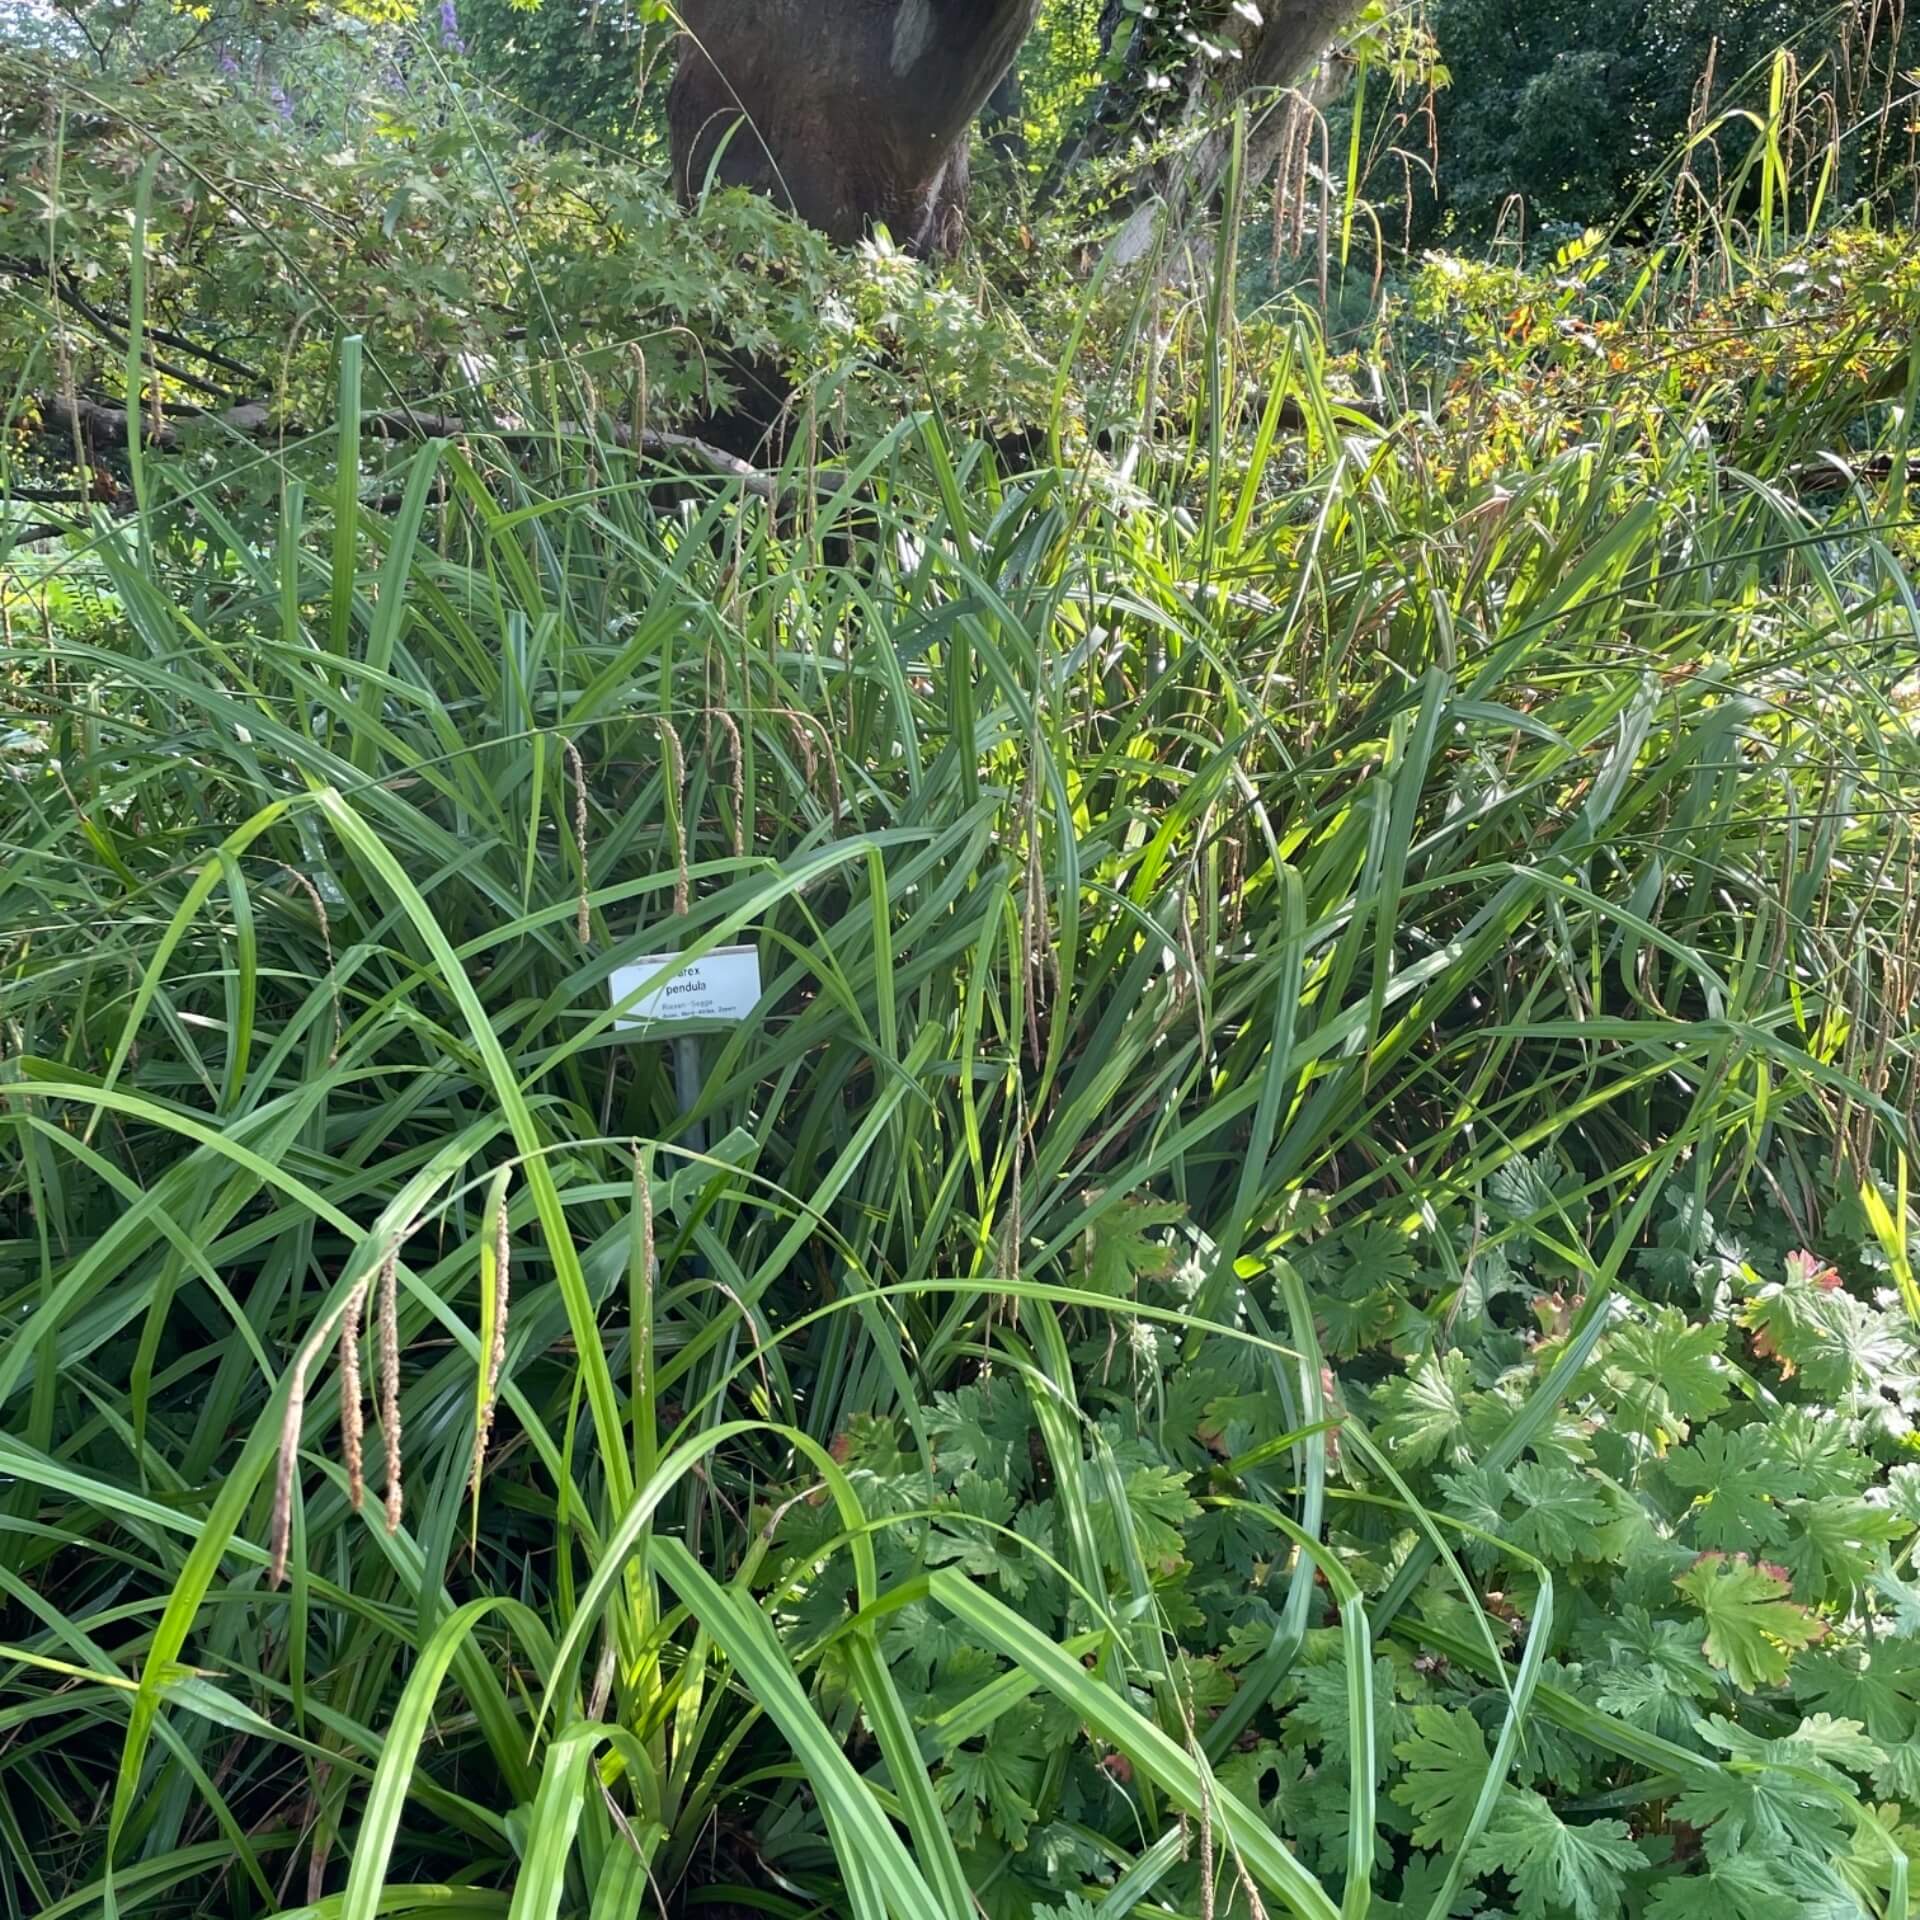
[1285, 1248]
[1752, 1629]
[1556, 1868]
[595, 73]
[1565, 117]
[476, 267]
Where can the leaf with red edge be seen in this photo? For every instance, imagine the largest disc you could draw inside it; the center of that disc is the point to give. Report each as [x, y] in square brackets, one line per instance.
[1753, 1628]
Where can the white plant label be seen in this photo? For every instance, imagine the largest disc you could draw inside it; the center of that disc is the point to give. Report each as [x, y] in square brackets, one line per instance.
[721, 985]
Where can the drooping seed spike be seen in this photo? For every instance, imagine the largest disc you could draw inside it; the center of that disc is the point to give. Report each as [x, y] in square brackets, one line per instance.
[352, 1412]
[584, 921]
[495, 1359]
[389, 1357]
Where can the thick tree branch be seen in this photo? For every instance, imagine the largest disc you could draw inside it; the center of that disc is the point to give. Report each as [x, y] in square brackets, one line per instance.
[37, 530]
[115, 326]
[47, 496]
[101, 424]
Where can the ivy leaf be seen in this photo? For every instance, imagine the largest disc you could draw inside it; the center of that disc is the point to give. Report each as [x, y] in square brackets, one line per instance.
[1903, 1491]
[1319, 1717]
[1475, 1496]
[1420, 1882]
[1523, 1188]
[1658, 1674]
[1201, 1683]
[1233, 1422]
[1186, 1435]
[1753, 1629]
[1631, 1535]
[1903, 1601]
[1358, 1279]
[1771, 1804]
[1756, 1886]
[1556, 1868]
[977, 1549]
[1350, 1326]
[1158, 1506]
[962, 1673]
[1231, 1536]
[1447, 1763]
[1898, 1774]
[1845, 1351]
[1821, 1743]
[986, 1427]
[1000, 1778]
[1279, 1783]
[1035, 1579]
[1811, 1444]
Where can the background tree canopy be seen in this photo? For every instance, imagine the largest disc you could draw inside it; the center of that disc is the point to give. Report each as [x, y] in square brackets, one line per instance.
[1575, 111]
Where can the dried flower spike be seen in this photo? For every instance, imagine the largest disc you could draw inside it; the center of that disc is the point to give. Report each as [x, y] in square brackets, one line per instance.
[291, 1422]
[584, 924]
[389, 1345]
[352, 1415]
[727, 725]
[495, 1359]
[677, 776]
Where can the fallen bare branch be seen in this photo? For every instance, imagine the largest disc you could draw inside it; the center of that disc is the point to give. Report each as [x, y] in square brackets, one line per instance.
[101, 423]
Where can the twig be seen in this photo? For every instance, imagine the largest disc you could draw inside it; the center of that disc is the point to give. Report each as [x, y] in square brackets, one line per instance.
[101, 316]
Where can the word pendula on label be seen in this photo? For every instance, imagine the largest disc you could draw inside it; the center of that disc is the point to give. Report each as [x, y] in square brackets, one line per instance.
[721, 985]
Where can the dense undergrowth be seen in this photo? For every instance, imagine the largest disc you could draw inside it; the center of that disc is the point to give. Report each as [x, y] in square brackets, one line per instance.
[1299, 1297]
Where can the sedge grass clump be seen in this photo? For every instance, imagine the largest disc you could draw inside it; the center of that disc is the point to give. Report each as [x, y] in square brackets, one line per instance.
[1274, 1243]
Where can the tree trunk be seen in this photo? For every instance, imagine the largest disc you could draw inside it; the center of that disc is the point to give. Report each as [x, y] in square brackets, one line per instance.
[1275, 55]
[853, 113]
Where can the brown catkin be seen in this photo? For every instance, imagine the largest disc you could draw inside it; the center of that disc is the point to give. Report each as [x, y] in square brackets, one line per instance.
[352, 1415]
[290, 1424]
[833, 761]
[803, 741]
[389, 1356]
[677, 777]
[584, 924]
[1203, 1773]
[283, 1473]
[496, 1355]
[730, 727]
[1206, 1841]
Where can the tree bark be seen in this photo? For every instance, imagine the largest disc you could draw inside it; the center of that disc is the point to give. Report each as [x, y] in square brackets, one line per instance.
[1275, 55]
[851, 113]
[101, 424]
